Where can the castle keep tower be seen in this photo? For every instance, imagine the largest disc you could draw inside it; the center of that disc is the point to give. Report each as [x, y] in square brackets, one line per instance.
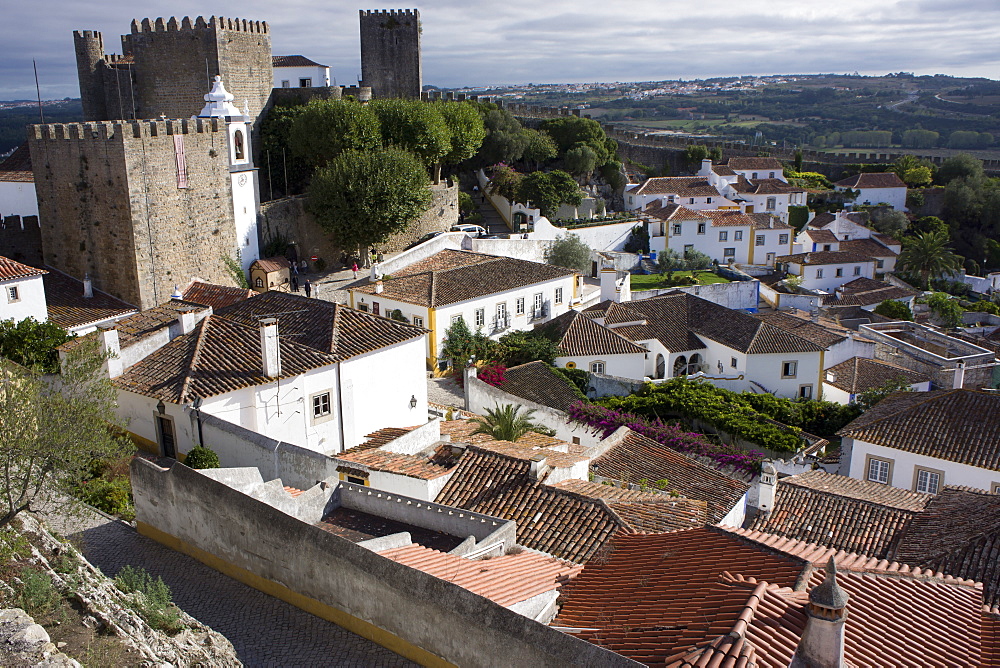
[390, 52]
[165, 63]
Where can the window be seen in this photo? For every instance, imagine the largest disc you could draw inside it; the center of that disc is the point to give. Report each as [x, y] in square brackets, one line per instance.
[375, 308]
[597, 367]
[708, 200]
[691, 200]
[480, 317]
[759, 241]
[728, 252]
[456, 318]
[701, 228]
[537, 305]
[782, 239]
[927, 480]
[753, 175]
[857, 271]
[738, 235]
[688, 248]
[879, 470]
[995, 488]
[771, 203]
[258, 282]
[418, 321]
[519, 306]
[732, 362]
[354, 480]
[805, 391]
[670, 199]
[502, 314]
[880, 264]
[13, 295]
[559, 296]
[839, 272]
[819, 273]
[827, 247]
[305, 83]
[723, 236]
[771, 176]
[238, 148]
[788, 369]
[321, 405]
[285, 83]
[180, 161]
[677, 229]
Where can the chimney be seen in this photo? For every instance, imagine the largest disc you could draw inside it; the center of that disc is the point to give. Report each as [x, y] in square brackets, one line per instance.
[186, 320]
[822, 642]
[110, 344]
[269, 351]
[814, 315]
[379, 287]
[959, 376]
[539, 466]
[177, 294]
[610, 287]
[766, 488]
[88, 287]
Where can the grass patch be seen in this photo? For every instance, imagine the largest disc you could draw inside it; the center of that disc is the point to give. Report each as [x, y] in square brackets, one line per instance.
[150, 598]
[679, 279]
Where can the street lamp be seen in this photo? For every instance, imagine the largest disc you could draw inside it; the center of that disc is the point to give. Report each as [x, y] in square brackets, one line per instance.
[196, 404]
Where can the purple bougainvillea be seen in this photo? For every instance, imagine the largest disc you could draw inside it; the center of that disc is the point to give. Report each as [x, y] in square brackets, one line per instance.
[605, 421]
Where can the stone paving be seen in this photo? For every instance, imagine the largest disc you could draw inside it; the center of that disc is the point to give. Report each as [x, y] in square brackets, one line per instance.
[445, 391]
[264, 630]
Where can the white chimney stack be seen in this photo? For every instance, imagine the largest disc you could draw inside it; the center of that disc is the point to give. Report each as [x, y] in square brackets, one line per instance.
[111, 345]
[767, 488]
[822, 641]
[88, 287]
[959, 376]
[378, 287]
[269, 350]
[186, 320]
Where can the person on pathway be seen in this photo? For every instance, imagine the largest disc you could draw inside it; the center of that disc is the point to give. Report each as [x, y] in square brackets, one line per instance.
[308, 286]
[295, 283]
[354, 268]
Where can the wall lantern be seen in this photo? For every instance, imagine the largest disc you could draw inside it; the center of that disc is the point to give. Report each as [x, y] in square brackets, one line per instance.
[413, 401]
[161, 407]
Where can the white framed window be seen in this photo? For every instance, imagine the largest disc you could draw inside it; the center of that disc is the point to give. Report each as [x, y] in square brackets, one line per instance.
[13, 294]
[559, 296]
[788, 369]
[819, 273]
[597, 367]
[701, 228]
[839, 272]
[708, 200]
[321, 407]
[782, 239]
[728, 252]
[285, 83]
[677, 229]
[995, 488]
[857, 271]
[502, 314]
[519, 306]
[771, 176]
[456, 318]
[738, 235]
[805, 391]
[690, 200]
[759, 241]
[418, 321]
[306, 82]
[771, 203]
[927, 480]
[879, 470]
[732, 362]
[880, 264]
[480, 317]
[536, 305]
[723, 236]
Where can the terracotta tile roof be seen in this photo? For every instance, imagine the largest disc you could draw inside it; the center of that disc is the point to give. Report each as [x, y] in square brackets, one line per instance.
[11, 269]
[822, 236]
[639, 458]
[858, 375]
[670, 211]
[960, 426]
[643, 511]
[216, 296]
[824, 257]
[69, 309]
[806, 329]
[764, 164]
[293, 61]
[729, 218]
[535, 381]
[324, 326]
[559, 453]
[598, 310]
[381, 437]
[677, 320]
[958, 533]
[723, 170]
[764, 186]
[865, 292]
[886, 239]
[872, 180]
[269, 264]
[453, 276]
[136, 327]
[578, 335]
[717, 597]
[841, 512]
[357, 526]
[683, 186]
[17, 166]
[867, 247]
[505, 580]
[421, 466]
[768, 221]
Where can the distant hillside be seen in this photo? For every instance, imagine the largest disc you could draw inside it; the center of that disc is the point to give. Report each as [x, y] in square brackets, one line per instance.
[13, 120]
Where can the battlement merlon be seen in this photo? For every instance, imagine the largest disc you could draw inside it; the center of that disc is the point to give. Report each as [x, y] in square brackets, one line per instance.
[105, 130]
[398, 13]
[185, 25]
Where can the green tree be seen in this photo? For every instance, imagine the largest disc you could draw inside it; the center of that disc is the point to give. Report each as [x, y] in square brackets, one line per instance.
[867, 399]
[961, 166]
[948, 310]
[574, 131]
[461, 345]
[292, 173]
[522, 347]
[200, 457]
[920, 138]
[323, 129]
[505, 181]
[890, 308]
[695, 260]
[570, 252]
[581, 161]
[32, 344]
[889, 221]
[466, 127]
[507, 423]
[364, 197]
[416, 127]
[929, 224]
[539, 147]
[505, 140]
[53, 432]
[929, 255]
[669, 260]
[546, 191]
[694, 154]
[613, 175]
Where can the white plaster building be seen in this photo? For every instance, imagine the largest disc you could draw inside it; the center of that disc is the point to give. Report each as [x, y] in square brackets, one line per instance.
[827, 270]
[726, 236]
[843, 383]
[307, 372]
[299, 72]
[492, 294]
[692, 192]
[876, 188]
[17, 185]
[22, 293]
[923, 441]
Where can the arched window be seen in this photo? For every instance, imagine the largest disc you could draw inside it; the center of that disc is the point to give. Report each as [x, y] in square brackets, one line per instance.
[259, 282]
[597, 367]
[694, 364]
[238, 145]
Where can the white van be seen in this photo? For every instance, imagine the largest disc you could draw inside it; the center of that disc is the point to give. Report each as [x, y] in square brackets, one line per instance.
[474, 230]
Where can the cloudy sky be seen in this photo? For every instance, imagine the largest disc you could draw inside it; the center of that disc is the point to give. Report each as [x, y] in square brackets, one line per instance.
[470, 42]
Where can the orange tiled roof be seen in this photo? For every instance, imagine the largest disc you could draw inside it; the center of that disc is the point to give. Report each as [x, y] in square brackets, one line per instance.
[270, 264]
[858, 374]
[578, 335]
[807, 329]
[872, 180]
[866, 291]
[68, 308]
[868, 247]
[764, 164]
[216, 296]
[17, 166]
[505, 580]
[293, 61]
[824, 257]
[558, 453]
[683, 186]
[537, 382]
[11, 269]
[136, 327]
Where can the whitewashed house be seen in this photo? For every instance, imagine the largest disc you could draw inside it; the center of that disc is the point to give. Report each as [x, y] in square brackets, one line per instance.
[923, 441]
[692, 192]
[843, 383]
[17, 185]
[827, 270]
[851, 233]
[876, 188]
[299, 72]
[490, 293]
[23, 291]
[726, 236]
[839, 343]
[585, 344]
[307, 372]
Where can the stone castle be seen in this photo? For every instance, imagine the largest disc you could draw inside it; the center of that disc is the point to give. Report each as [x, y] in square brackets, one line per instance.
[390, 52]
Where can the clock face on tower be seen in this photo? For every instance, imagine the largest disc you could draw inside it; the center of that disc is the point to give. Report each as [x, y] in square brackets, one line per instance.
[242, 180]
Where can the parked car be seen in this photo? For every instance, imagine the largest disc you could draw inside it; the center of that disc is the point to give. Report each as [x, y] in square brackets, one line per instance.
[426, 237]
[473, 230]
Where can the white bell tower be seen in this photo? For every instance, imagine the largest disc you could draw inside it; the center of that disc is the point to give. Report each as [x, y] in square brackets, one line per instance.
[242, 173]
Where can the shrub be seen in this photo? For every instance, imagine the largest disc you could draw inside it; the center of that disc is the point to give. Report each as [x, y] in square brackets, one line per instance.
[112, 496]
[150, 598]
[891, 308]
[200, 457]
[492, 374]
[36, 595]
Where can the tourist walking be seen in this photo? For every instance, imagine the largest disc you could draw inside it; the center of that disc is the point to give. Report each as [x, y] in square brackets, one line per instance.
[308, 288]
[354, 268]
[295, 283]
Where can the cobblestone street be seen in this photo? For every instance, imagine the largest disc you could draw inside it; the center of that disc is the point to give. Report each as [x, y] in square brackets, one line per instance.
[264, 630]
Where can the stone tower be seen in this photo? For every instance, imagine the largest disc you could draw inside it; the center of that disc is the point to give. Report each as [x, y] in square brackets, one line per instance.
[165, 64]
[390, 52]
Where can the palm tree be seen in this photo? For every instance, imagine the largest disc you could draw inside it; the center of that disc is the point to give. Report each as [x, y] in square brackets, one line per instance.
[506, 423]
[929, 254]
